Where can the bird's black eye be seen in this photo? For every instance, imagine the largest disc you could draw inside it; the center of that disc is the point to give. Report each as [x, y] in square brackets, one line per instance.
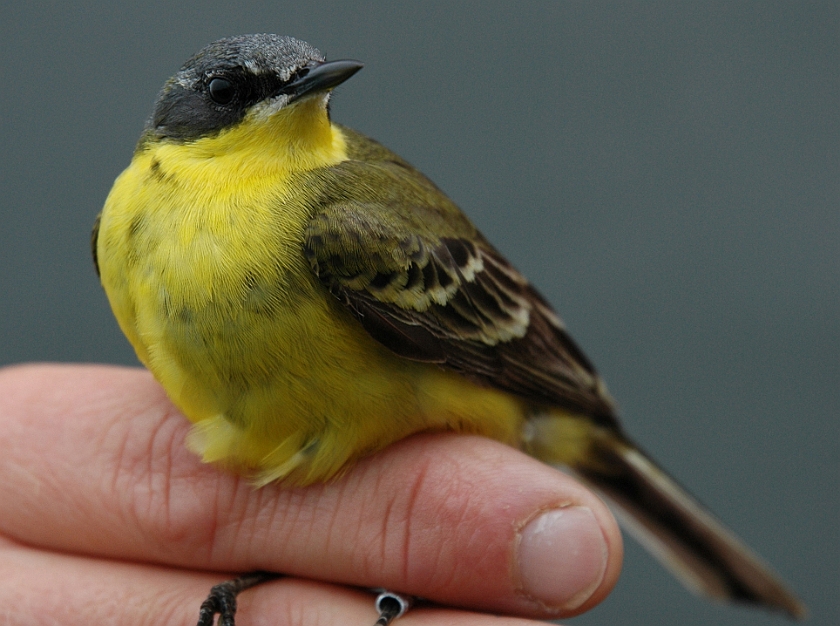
[221, 90]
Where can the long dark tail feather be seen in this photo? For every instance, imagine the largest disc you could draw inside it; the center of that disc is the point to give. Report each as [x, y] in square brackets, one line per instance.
[685, 537]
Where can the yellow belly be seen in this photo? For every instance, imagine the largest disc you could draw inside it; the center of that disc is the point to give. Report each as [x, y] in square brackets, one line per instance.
[210, 285]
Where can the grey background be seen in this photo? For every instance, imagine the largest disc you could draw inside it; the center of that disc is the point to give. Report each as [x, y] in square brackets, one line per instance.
[667, 174]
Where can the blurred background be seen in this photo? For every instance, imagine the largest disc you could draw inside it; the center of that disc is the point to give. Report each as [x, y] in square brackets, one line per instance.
[666, 173]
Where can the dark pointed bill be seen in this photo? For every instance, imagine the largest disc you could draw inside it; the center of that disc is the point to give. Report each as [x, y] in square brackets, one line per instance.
[321, 77]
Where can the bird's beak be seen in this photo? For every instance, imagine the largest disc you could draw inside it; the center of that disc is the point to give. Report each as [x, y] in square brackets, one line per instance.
[321, 77]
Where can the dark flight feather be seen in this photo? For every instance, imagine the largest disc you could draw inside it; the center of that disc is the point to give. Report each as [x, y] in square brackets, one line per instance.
[452, 300]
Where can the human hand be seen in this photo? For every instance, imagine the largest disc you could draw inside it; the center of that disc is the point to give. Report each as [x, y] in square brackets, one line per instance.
[107, 518]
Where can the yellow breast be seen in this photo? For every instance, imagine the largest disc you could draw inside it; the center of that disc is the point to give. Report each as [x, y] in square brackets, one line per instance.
[201, 255]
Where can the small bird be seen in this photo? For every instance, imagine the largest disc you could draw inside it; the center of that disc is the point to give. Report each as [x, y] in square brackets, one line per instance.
[306, 297]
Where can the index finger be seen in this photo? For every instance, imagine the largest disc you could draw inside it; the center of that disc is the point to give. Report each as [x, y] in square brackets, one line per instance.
[96, 465]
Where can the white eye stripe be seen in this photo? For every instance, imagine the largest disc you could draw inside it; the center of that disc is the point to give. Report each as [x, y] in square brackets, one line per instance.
[182, 80]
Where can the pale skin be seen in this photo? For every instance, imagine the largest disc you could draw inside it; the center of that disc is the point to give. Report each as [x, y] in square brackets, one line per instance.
[107, 518]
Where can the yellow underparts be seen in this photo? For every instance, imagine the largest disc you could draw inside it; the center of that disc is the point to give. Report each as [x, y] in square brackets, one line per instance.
[200, 252]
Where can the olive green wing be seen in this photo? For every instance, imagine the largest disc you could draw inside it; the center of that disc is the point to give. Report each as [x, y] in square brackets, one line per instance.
[424, 282]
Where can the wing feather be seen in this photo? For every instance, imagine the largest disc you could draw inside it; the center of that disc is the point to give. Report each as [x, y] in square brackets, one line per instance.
[450, 300]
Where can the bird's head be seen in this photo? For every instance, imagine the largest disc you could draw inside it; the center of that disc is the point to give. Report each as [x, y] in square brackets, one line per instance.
[247, 83]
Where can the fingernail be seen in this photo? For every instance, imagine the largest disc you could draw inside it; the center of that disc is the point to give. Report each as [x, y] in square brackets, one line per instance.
[562, 558]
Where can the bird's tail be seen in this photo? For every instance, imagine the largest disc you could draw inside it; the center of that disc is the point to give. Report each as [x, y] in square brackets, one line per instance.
[676, 529]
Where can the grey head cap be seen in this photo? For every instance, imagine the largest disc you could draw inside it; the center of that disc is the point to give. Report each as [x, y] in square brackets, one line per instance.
[255, 67]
